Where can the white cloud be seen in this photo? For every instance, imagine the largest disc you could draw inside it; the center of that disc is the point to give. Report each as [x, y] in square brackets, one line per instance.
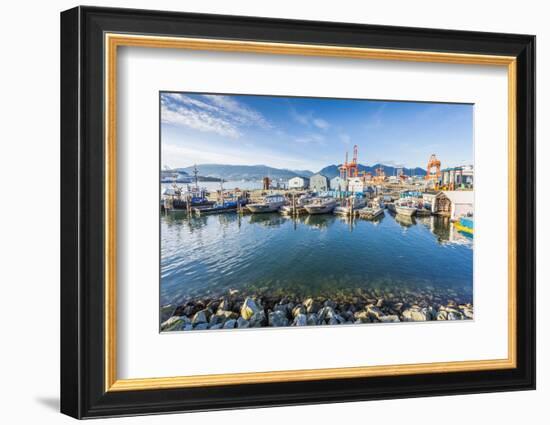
[319, 123]
[310, 138]
[345, 138]
[210, 113]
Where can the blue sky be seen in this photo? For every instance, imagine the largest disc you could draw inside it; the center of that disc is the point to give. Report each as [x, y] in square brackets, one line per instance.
[311, 133]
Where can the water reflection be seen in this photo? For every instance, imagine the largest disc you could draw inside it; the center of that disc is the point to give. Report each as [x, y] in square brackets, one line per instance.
[316, 252]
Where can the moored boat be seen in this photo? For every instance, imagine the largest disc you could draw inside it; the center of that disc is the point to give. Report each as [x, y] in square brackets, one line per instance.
[321, 205]
[350, 205]
[270, 203]
[405, 207]
[297, 207]
[371, 211]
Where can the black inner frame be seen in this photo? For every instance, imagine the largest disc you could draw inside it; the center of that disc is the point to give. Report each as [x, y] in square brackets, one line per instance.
[82, 217]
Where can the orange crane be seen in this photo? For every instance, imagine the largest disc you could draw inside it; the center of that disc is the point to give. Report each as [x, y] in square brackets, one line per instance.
[433, 170]
[350, 169]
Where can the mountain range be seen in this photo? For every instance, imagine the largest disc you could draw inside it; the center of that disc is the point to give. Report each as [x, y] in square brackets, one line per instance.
[257, 172]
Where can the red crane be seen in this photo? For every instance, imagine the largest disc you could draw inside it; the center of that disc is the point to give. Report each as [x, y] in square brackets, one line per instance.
[350, 169]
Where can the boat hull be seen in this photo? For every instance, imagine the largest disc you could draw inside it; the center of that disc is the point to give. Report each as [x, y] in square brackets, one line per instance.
[264, 208]
[406, 211]
[319, 209]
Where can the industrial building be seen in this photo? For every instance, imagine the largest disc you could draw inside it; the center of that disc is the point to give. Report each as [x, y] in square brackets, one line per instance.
[338, 183]
[356, 185]
[298, 183]
[318, 183]
[453, 203]
[458, 177]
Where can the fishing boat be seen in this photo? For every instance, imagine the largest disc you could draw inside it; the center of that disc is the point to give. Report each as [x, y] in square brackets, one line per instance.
[390, 206]
[220, 207]
[321, 205]
[270, 203]
[350, 205]
[465, 225]
[297, 207]
[371, 211]
[405, 207]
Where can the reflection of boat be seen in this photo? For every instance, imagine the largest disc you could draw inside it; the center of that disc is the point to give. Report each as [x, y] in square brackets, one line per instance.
[267, 219]
[371, 211]
[465, 225]
[270, 203]
[321, 205]
[350, 205]
[319, 221]
[405, 220]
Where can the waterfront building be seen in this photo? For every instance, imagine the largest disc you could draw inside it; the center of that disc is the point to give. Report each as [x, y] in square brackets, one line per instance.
[318, 183]
[454, 203]
[338, 183]
[458, 177]
[298, 183]
[356, 185]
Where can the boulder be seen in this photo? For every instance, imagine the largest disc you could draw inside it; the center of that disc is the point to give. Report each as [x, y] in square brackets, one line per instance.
[415, 314]
[230, 324]
[201, 316]
[249, 308]
[390, 318]
[312, 319]
[442, 315]
[218, 326]
[311, 306]
[200, 327]
[242, 323]
[277, 319]
[257, 320]
[299, 309]
[174, 323]
[300, 320]
[361, 317]
[374, 312]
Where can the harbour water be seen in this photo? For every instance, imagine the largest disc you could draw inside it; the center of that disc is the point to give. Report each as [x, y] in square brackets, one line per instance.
[205, 257]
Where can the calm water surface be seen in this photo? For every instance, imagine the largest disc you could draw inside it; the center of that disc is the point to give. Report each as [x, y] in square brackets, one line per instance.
[202, 256]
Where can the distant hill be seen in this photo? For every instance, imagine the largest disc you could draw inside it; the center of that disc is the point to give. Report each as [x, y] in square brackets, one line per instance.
[257, 172]
[246, 172]
[333, 170]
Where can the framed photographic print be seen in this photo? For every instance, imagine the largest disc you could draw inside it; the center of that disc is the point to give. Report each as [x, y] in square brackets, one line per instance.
[261, 212]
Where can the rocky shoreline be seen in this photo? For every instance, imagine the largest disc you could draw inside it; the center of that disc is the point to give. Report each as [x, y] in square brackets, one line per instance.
[237, 310]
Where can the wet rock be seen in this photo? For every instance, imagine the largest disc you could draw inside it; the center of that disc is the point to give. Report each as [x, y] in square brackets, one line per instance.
[380, 302]
[201, 327]
[312, 319]
[201, 316]
[277, 319]
[299, 309]
[283, 308]
[414, 314]
[326, 313]
[225, 304]
[230, 324]
[242, 323]
[442, 315]
[467, 311]
[300, 320]
[361, 317]
[374, 313]
[390, 318]
[258, 319]
[249, 308]
[311, 306]
[188, 327]
[454, 316]
[174, 323]
[218, 326]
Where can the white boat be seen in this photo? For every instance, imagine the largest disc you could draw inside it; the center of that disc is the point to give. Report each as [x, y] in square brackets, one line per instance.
[321, 205]
[298, 208]
[270, 203]
[350, 205]
[405, 207]
[371, 211]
